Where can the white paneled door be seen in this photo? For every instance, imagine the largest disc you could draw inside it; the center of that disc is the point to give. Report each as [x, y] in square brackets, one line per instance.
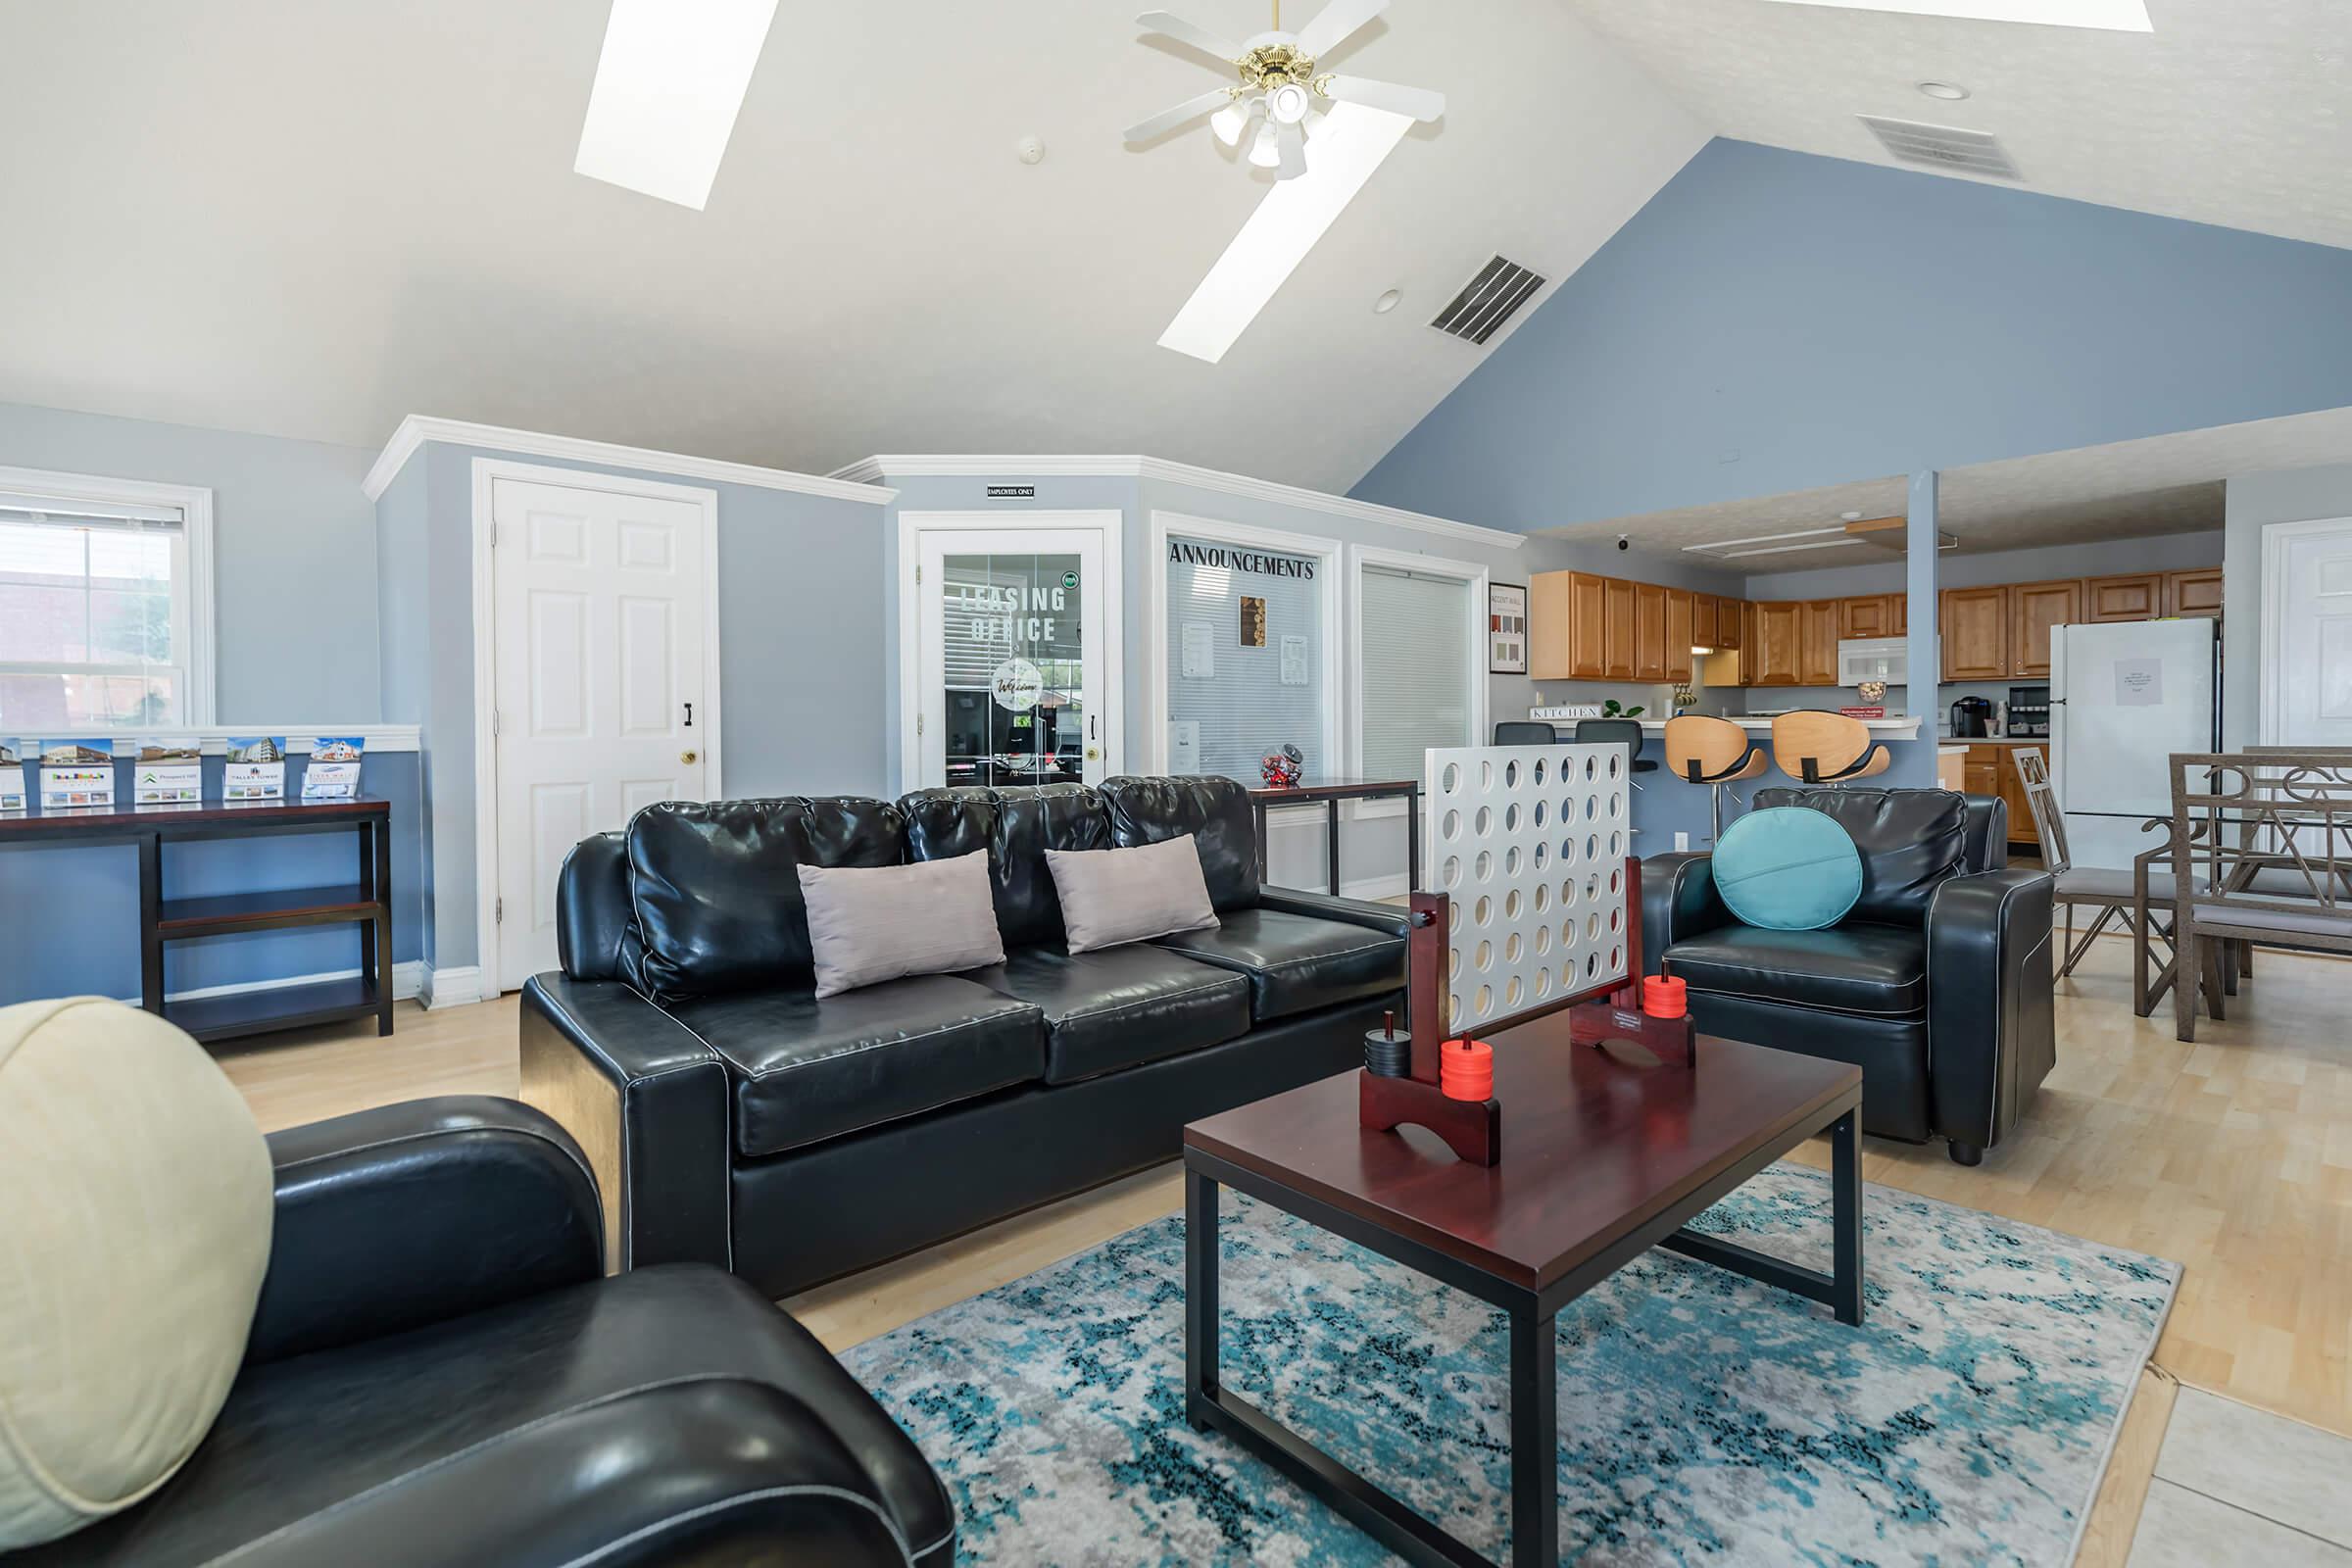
[601, 604]
[2307, 675]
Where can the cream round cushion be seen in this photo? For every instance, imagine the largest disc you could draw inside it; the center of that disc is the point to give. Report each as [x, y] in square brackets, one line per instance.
[134, 1230]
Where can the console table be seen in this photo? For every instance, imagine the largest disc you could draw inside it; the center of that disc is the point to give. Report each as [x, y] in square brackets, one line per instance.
[1328, 794]
[365, 903]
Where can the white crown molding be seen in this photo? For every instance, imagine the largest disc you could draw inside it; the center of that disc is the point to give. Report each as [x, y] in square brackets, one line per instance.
[212, 739]
[874, 471]
[417, 428]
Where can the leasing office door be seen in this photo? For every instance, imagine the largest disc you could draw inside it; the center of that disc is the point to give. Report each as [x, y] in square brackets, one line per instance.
[602, 614]
[1011, 676]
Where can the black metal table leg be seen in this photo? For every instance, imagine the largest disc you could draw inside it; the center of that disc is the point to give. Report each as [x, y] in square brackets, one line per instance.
[151, 914]
[1199, 1295]
[1331, 842]
[1535, 1439]
[1412, 840]
[378, 850]
[1845, 1204]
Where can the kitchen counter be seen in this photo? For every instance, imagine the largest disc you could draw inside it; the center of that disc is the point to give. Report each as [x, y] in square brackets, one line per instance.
[1996, 740]
[1903, 727]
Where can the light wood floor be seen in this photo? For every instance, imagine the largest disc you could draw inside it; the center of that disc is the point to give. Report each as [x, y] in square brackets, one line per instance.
[2233, 1157]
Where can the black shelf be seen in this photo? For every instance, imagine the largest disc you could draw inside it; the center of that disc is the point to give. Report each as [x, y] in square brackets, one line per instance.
[255, 1012]
[267, 912]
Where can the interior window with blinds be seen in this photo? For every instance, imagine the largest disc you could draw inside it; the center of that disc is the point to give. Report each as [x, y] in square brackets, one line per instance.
[1417, 670]
[94, 626]
[1245, 657]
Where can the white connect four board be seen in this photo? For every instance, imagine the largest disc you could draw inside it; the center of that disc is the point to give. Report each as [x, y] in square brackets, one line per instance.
[1530, 843]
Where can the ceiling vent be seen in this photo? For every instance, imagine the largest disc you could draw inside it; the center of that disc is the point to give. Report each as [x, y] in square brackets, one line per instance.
[1493, 298]
[1942, 146]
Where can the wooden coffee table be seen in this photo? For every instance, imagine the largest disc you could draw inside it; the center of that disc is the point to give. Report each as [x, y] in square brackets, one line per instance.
[1604, 1157]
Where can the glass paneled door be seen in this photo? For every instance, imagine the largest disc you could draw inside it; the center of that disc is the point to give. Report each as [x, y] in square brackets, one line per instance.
[1011, 685]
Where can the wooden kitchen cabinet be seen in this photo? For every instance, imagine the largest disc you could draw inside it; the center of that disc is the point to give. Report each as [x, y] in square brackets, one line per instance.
[1870, 616]
[1817, 642]
[2034, 608]
[1705, 608]
[2193, 593]
[1901, 609]
[1649, 631]
[2138, 596]
[1680, 616]
[1975, 626]
[1732, 616]
[1565, 623]
[1617, 660]
[1777, 651]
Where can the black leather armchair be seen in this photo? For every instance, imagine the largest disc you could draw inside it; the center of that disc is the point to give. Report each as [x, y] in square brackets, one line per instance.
[439, 1372]
[1937, 983]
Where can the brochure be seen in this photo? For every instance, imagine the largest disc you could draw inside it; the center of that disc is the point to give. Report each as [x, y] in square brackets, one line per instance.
[12, 775]
[167, 770]
[256, 769]
[333, 773]
[77, 772]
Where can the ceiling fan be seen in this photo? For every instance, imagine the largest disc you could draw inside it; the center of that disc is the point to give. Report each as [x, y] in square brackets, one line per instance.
[1275, 105]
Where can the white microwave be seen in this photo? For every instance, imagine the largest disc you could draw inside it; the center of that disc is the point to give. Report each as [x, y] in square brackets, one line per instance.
[1886, 659]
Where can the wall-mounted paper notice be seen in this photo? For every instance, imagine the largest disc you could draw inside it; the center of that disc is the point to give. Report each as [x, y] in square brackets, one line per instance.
[2139, 683]
[1200, 651]
[1184, 747]
[1294, 661]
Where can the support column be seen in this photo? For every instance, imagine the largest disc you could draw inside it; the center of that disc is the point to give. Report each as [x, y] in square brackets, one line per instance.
[1914, 762]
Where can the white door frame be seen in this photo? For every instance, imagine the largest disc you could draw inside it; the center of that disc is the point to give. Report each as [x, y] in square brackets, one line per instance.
[1326, 552]
[1468, 571]
[2276, 537]
[1108, 523]
[487, 471]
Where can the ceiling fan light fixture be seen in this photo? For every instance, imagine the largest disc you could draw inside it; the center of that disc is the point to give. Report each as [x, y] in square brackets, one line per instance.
[1265, 148]
[1229, 123]
[1289, 103]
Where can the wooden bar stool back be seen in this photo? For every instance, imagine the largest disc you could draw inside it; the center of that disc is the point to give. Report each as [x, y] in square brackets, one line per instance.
[1814, 746]
[1713, 751]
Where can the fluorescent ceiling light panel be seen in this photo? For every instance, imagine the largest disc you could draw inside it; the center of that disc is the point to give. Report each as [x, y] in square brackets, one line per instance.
[1352, 142]
[2111, 16]
[667, 89]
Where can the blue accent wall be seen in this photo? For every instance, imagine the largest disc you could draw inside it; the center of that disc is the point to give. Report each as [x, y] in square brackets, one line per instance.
[1774, 321]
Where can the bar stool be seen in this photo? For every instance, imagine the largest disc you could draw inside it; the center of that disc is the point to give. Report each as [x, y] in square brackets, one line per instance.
[1814, 746]
[1523, 732]
[1713, 751]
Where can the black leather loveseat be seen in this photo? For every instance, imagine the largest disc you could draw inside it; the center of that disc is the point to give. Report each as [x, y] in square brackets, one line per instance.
[439, 1373]
[1937, 983]
[735, 1119]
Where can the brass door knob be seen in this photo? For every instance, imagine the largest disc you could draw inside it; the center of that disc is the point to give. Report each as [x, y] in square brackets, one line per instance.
[688, 757]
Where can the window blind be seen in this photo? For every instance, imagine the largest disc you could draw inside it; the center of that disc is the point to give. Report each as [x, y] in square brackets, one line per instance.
[93, 612]
[1417, 670]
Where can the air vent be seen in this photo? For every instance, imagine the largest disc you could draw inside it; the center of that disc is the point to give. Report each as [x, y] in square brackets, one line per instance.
[1493, 298]
[1942, 146]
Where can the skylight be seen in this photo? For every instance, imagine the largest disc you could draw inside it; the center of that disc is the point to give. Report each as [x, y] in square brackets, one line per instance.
[1352, 142]
[667, 89]
[2113, 16]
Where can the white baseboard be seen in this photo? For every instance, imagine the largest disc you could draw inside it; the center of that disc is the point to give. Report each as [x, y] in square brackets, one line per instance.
[1394, 886]
[407, 980]
[451, 986]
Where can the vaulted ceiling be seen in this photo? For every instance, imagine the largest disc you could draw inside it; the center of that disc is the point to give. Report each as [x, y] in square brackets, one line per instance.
[313, 219]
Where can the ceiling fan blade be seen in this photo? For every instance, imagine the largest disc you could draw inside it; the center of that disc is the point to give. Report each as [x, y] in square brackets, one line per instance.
[1293, 139]
[1336, 23]
[1169, 25]
[1417, 103]
[1168, 120]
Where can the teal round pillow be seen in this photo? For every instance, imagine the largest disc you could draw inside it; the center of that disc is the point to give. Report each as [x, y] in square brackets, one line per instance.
[1786, 868]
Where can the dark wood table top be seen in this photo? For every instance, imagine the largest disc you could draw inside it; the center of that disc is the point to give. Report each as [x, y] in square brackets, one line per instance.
[1593, 1145]
[1328, 789]
[130, 817]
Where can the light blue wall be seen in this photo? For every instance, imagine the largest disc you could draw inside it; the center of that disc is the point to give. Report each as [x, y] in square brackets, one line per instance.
[800, 591]
[1774, 321]
[293, 552]
[2256, 501]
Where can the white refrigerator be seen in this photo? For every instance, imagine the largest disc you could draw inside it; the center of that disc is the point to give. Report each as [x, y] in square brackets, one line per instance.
[2124, 698]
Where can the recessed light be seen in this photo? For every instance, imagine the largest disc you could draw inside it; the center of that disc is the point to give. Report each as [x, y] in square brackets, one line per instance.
[1948, 91]
[1387, 302]
[667, 88]
[1353, 142]
[1849, 516]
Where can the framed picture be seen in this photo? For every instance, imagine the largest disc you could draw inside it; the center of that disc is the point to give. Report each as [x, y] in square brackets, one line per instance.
[1254, 622]
[1507, 628]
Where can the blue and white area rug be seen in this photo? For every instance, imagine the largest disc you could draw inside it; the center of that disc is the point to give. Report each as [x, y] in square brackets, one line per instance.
[1703, 1418]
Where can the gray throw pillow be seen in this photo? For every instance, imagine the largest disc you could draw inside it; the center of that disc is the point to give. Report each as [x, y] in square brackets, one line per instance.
[1110, 897]
[867, 924]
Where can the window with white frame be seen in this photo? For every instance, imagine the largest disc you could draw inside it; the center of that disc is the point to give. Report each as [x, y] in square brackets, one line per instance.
[1245, 629]
[1420, 674]
[103, 624]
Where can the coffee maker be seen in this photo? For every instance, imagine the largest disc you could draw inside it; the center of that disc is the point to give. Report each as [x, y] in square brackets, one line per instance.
[1972, 717]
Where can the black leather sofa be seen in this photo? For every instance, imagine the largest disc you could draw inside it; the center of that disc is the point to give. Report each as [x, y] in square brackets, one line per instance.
[440, 1373]
[1937, 983]
[735, 1119]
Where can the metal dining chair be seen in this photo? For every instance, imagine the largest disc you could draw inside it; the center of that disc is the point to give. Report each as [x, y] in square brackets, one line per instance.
[1523, 732]
[2111, 893]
